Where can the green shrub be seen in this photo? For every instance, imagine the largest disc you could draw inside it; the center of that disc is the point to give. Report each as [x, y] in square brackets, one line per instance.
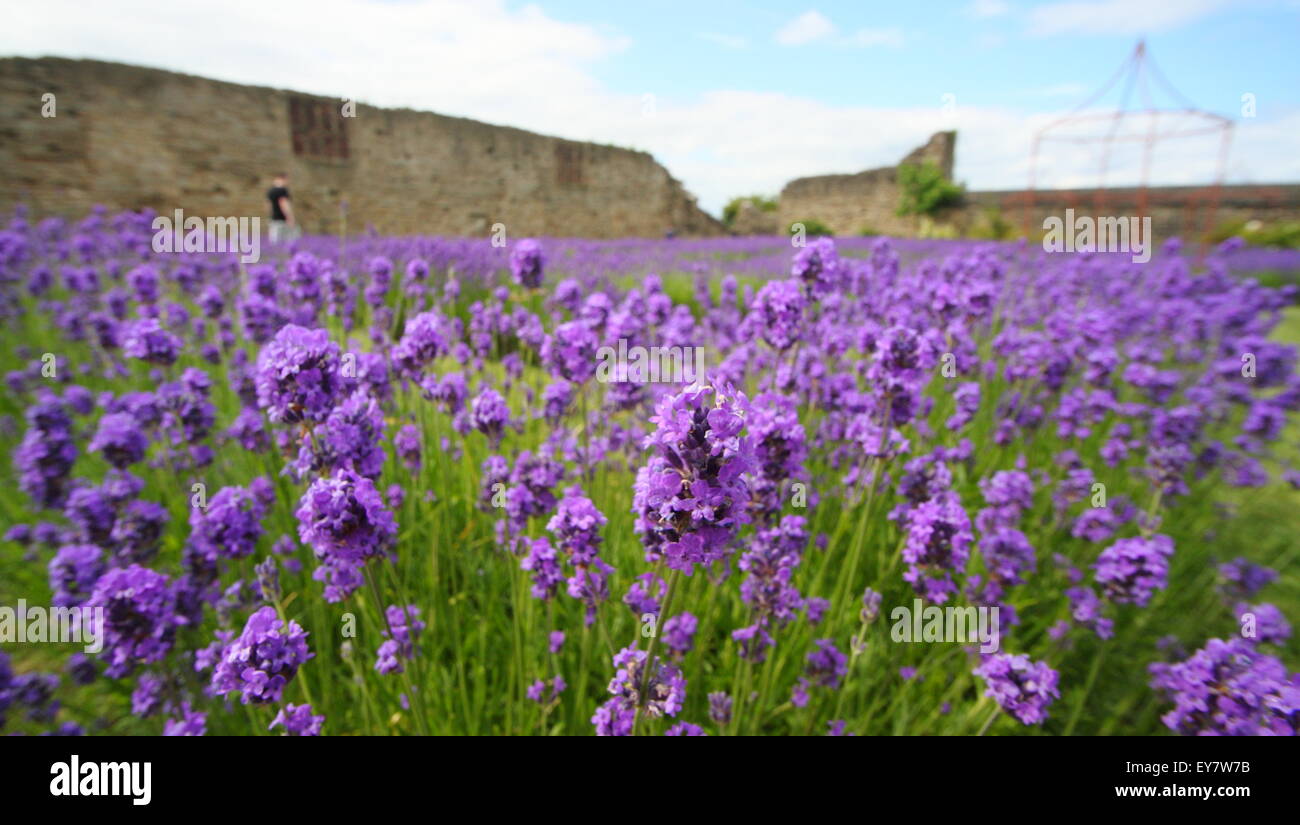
[732, 209]
[925, 189]
[1282, 234]
[993, 227]
[811, 227]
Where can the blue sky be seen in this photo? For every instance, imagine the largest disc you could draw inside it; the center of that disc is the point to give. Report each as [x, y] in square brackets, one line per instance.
[735, 98]
[904, 54]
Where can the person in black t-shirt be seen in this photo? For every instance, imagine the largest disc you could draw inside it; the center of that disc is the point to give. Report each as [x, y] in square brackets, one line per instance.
[283, 226]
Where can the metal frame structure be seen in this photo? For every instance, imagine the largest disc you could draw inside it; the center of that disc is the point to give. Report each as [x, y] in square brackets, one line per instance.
[1137, 76]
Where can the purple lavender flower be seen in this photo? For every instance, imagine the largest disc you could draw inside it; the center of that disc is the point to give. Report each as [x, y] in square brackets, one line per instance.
[614, 718]
[938, 545]
[685, 729]
[827, 665]
[543, 562]
[268, 579]
[140, 617]
[720, 708]
[679, 632]
[47, 452]
[407, 444]
[1008, 557]
[527, 263]
[1263, 622]
[249, 430]
[1229, 688]
[664, 694]
[817, 266]
[532, 483]
[1086, 609]
[144, 281]
[769, 565]
[754, 640]
[147, 698]
[36, 692]
[490, 414]
[349, 439]
[570, 353]
[403, 626]
[780, 450]
[147, 340]
[556, 399]
[344, 521]
[576, 526]
[229, 526]
[423, 341]
[644, 594]
[1023, 688]
[74, 570]
[298, 375]
[450, 391]
[1131, 570]
[79, 666]
[137, 532]
[120, 440]
[262, 659]
[190, 723]
[298, 720]
[1243, 579]
[537, 691]
[92, 512]
[870, 606]
[777, 314]
[690, 498]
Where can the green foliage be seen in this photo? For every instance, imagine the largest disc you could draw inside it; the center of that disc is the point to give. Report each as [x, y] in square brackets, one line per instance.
[930, 229]
[1282, 234]
[732, 209]
[925, 189]
[1275, 279]
[993, 226]
[811, 227]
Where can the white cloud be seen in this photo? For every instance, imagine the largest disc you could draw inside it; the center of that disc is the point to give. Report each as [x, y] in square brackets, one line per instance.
[1123, 17]
[806, 28]
[988, 8]
[469, 57]
[892, 37]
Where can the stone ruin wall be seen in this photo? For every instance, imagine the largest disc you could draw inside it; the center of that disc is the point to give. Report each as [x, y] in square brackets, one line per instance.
[131, 137]
[853, 204]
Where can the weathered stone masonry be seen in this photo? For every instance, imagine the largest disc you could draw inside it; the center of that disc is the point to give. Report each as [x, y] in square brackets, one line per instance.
[133, 137]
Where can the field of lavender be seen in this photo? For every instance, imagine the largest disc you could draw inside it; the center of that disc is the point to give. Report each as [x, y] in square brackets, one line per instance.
[387, 486]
